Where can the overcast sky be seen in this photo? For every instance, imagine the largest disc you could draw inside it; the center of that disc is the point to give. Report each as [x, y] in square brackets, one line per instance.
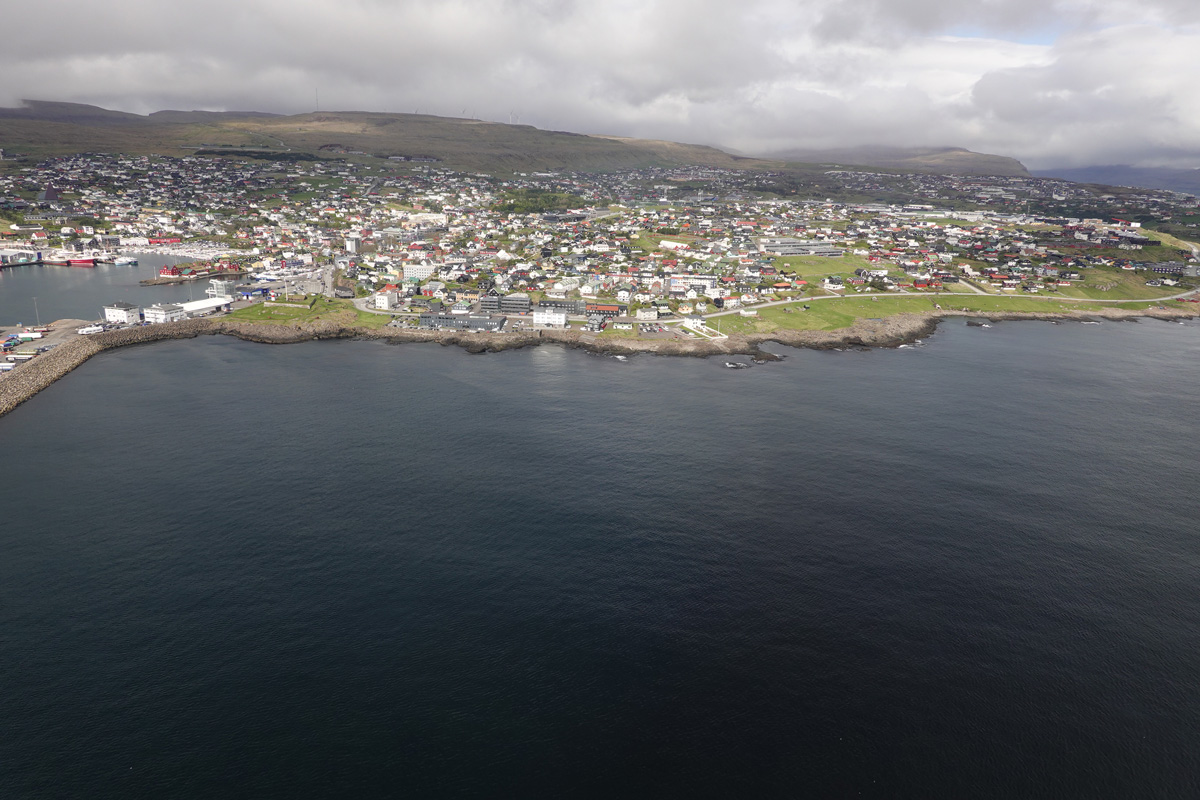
[1051, 82]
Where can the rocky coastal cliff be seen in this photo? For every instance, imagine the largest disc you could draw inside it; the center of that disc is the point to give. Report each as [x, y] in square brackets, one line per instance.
[21, 384]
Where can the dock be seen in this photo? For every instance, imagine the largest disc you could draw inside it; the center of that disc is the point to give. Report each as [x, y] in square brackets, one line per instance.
[165, 280]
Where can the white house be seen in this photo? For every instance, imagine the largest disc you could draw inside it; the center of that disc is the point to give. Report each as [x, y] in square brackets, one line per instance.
[647, 314]
[385, 300]
[123, 313]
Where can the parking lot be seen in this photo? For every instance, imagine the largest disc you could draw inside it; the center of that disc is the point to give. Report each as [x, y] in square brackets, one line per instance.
[655, 330]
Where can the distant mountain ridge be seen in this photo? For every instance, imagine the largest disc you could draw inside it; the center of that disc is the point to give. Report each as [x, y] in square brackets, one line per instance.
[1174, 180]
[942, 160]
[54, 128]
[51, 128]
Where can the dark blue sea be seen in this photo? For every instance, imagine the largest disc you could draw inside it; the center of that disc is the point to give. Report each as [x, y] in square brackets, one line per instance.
[349, 569]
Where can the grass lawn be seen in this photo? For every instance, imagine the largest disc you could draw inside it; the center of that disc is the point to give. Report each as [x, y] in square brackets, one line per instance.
[649, 240]
[1151, 254]
[341, 311]
[820, 266]
[1116, 284]
[610, 333]
[1167, 239]
[826, 315]
[834, 314]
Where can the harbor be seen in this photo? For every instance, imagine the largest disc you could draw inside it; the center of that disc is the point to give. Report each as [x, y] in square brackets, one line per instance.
[33, 292]
[168, 280]
[37, 258]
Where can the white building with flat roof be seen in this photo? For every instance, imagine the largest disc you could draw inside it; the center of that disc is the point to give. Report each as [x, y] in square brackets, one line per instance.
[550, 317]
[197, 308]
[420, 272]
[123, 314]
[165, 312]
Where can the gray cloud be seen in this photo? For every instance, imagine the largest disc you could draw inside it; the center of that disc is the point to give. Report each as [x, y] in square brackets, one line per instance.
[1052, 82]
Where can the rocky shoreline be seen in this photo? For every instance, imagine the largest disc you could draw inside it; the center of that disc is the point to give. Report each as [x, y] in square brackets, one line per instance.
[19, 385]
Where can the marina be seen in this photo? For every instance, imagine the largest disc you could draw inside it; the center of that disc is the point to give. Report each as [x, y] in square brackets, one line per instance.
[27, 258]
[167, 280]
[32, 292]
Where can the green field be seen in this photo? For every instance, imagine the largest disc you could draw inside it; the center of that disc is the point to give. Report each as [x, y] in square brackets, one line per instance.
[340, 311]
[1168, 240]
[958, 288]
[828, 315]
[611, 333]
[820, 266]
[1117, 284]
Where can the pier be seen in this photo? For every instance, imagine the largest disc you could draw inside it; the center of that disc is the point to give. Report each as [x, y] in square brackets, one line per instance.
[163, 280]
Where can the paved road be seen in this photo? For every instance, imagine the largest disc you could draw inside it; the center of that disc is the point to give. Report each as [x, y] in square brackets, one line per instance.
[327, 273]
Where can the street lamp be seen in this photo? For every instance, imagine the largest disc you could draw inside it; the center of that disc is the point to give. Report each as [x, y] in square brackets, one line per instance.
[36, 314]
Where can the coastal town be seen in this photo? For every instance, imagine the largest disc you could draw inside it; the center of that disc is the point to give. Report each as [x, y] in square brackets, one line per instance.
[649, 255]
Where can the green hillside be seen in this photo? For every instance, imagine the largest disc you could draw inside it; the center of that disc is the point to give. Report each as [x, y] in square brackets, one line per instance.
[44, 128]
[40, 128]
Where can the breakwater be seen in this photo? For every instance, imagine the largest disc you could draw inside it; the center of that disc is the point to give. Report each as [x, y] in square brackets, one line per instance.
[23, 383]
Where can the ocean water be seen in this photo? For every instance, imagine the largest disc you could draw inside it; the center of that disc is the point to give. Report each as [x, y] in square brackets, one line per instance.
[967, 569]
[82, 292]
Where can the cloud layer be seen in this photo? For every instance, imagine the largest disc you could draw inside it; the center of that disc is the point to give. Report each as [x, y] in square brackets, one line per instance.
[1051, 82]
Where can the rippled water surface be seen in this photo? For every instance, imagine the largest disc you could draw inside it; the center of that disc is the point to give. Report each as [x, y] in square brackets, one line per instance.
[346, 568]
[30, 293]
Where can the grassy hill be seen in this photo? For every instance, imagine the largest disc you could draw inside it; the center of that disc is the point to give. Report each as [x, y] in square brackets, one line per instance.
[44, 128]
